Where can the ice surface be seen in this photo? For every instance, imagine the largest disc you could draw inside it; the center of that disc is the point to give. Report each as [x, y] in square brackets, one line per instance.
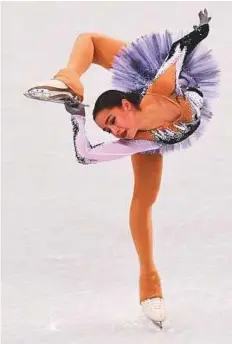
[69, 268]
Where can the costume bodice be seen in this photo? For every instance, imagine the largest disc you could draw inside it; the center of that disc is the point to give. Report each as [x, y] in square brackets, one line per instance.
[184, 110]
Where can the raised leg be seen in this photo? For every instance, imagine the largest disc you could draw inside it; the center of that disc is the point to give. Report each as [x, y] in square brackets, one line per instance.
[88, 48]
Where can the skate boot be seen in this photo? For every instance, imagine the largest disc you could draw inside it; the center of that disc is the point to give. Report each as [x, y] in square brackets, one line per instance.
[151, 298]
[51, 91]
[154, 310]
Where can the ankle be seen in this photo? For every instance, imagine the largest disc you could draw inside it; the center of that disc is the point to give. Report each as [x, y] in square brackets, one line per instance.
[70, 78]
[150, 285]
[147, 270]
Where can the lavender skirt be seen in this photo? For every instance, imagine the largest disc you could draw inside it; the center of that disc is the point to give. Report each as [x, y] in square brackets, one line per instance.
[137, 64]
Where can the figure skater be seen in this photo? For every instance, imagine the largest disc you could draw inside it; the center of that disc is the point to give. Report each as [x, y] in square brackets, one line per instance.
[162, 88]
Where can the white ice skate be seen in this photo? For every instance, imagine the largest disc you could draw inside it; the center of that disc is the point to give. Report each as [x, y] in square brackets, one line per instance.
[154, 309]
[52, 91]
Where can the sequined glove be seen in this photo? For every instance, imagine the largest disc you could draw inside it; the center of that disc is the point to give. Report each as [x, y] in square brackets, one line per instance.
[204, 19]
[75, 108]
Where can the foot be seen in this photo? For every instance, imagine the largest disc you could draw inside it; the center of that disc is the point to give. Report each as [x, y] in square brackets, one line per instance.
[154, 309]
[52, 91]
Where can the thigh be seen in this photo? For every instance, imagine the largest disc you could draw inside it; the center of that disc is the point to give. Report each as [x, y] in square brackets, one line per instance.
[147, 176]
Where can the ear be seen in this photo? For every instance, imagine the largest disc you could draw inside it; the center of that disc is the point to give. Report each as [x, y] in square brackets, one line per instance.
[126, 105]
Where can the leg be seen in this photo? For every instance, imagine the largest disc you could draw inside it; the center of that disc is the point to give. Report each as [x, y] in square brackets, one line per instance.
[147, 178]
[87, 49]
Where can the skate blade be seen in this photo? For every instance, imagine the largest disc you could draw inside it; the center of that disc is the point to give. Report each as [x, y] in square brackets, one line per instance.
[159, 324]
[165, 325]
[46, 95]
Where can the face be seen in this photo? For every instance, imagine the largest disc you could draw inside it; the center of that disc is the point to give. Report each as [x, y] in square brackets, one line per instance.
[118, 121]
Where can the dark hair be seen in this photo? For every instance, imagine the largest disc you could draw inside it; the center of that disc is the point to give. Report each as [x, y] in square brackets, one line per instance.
[112, 98]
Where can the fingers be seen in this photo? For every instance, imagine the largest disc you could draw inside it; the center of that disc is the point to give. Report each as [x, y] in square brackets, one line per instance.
[203, 16]
[75, 103]
[75, 108]
[204, 19]
[72, 102]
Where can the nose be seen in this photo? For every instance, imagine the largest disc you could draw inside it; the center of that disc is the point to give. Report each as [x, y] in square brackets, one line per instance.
[119, 132]
[116, 131]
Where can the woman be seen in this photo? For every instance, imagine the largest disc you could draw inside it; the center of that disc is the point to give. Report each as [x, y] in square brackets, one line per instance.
[160, 103]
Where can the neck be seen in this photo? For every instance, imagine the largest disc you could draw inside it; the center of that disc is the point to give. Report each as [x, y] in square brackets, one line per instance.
[146, 120]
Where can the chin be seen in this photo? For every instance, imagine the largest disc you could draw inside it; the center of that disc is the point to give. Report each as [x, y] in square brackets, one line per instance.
[131, 134]
[129, 137]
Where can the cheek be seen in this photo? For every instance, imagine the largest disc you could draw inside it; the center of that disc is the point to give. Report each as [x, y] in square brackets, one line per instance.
[126, 120]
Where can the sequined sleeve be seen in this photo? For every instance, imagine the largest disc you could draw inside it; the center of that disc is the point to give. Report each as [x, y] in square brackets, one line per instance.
[191, 40]
[165, 81]
[87, 154]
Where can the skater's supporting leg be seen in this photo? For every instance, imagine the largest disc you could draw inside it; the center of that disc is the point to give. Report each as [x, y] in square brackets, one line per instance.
[147, 174]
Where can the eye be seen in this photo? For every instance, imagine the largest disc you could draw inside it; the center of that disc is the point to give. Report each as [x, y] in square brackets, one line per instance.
[107, 130]
[112, 121]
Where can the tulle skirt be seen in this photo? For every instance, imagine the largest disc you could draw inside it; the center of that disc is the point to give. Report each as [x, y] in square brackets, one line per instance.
[137, 64]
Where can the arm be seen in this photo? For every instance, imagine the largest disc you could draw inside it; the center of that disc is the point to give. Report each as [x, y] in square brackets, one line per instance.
[191, 40]
[87, 154]
[166, 81]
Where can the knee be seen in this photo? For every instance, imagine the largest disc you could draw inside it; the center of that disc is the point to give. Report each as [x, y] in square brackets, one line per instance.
[145, 199]
[89, 35]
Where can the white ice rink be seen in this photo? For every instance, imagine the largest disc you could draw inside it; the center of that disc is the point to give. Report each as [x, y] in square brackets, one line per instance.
[69, 268]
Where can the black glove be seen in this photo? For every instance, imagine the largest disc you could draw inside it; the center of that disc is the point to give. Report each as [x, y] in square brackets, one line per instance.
[204, 19]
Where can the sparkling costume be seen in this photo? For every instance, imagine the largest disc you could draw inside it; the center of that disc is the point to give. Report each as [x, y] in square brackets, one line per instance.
[193, 78]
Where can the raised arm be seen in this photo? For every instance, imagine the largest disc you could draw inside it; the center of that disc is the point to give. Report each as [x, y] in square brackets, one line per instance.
[165, 83]
[87, 49]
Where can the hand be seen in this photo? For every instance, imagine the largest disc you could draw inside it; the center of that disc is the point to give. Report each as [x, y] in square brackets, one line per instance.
[204, 19]
[74, 107]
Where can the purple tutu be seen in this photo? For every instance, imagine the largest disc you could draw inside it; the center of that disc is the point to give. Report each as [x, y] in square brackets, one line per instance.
[137, 64]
